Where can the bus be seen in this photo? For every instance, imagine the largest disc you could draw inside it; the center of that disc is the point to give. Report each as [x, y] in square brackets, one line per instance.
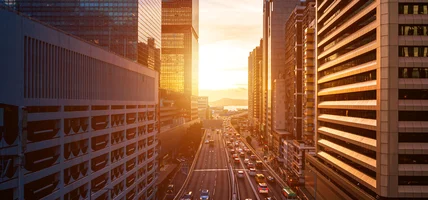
[288, 193]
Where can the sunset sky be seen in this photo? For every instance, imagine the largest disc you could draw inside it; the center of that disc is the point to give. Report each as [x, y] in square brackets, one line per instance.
[229, 30]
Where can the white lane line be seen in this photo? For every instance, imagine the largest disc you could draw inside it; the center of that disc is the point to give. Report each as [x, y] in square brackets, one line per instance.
[214, 192]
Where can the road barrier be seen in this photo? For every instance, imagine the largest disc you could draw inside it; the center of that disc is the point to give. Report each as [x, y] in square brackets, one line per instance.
[181, 191]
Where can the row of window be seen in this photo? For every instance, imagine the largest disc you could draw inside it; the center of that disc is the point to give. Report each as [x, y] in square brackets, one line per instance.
[365, 39]
[365, 95]
[358, 78]
[348, 178]
[354, 130]
[413, 137]
[412, 180]
[359, 60]
[413, 8]
[361, 5]
[412, 159]
[353, 147]
[368, 114]
[355, 165]
[350, 30]
[415, 94]
[412, 72]
[413, 115]
[414, 29]
[413, 51]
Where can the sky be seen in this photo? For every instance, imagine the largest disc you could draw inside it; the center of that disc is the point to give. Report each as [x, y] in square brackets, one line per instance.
[228, 31]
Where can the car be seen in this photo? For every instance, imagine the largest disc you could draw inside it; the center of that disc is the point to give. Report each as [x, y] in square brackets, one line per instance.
[236, 160]
[270, 179]
[270, 198]
[187, 196]
[259, 164]
[242, 155]
[240, 174]
[207, 141]
[260, 178]
[246, 161]
[250, 165]
[263, 188]
[205, 194]
[252, 172]
[232, 151]
[235, 155]
[249, 153]
[170, 189]
[253, 157]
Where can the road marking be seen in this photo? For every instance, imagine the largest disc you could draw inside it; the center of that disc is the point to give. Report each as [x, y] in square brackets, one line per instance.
[209, 170]
[214, 192]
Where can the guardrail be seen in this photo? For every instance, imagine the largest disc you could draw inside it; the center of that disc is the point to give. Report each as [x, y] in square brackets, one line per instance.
[192, 167]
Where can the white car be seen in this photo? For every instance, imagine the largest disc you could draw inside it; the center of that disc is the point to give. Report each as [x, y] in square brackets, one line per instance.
[246, 161]
[252, 172]
[207, 141]
[240, 174]
[263, 188]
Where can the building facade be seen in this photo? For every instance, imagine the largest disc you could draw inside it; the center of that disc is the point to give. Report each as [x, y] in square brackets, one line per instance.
[275, 14]
[180, 46]
[372, 97]
[255, 85]
[308, 84]
[203, 108]
[130, 28]
[81, 128]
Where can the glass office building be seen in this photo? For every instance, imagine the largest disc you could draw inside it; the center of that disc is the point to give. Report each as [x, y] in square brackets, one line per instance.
[130, 28]
[180, 46]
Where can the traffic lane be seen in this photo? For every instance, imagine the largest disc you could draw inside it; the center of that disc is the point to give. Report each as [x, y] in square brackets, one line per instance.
[245, 190]
[215, 181]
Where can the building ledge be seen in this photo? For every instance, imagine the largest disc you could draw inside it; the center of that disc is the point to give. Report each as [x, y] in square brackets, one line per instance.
[352, 155]
[413, 170]
[356, 87]
[413, 83]
[365, 142]
[413, 191]
[412, 126]
[413, 148]
[350, 171]
[350, 121]
[413, 105]
[357, 104]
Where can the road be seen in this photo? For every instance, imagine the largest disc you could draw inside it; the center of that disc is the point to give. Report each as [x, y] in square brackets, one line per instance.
[211, 170]
[247, 184]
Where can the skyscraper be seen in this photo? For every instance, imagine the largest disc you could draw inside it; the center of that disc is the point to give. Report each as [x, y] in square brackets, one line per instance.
[180, 47]
[130, 28]
[180, 53]
[372, 97]
[255, 84]
[275, 14]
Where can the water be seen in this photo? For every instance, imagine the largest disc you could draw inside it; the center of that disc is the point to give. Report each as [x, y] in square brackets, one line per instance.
[235, 108]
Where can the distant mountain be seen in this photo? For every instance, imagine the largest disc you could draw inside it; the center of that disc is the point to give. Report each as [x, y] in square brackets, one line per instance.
[229, 102]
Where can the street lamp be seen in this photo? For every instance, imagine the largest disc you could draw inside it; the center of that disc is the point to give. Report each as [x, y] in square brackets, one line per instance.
[93, 189]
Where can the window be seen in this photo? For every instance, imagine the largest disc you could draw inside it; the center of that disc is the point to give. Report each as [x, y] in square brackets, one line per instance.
[414, 94]
[412, 159]
[354, 130]
[409, 29]
[413, 115]
[413, 51]
[366, 95]
[413, 8]
[369, 114]
[413, 137]
[412, 180]
[412, 72]
[366, 76]
[367, 57]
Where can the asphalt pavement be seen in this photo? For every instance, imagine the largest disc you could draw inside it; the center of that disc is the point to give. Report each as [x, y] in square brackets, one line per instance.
[211, 170]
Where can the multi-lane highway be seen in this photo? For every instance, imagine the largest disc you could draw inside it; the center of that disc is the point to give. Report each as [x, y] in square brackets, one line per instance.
[211, 170]
[216, 170]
